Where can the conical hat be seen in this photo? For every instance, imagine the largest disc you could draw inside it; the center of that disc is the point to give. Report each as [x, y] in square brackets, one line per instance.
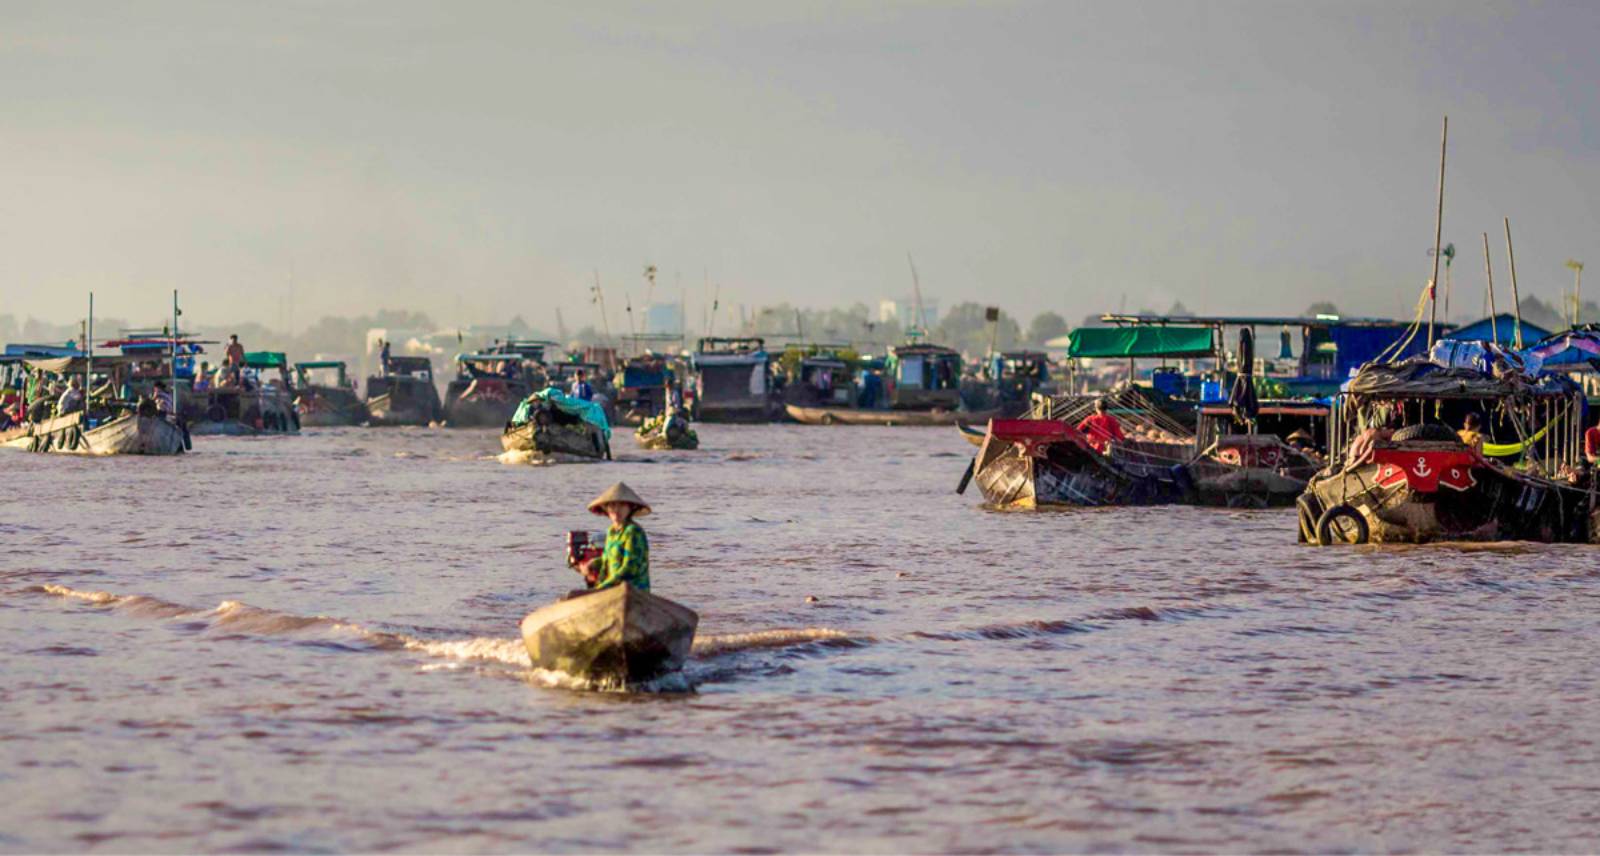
[619, 492]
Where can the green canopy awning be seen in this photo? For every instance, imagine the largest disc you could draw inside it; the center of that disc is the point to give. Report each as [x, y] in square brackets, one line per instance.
[1175, 342]
[320, 364]
[266, 359]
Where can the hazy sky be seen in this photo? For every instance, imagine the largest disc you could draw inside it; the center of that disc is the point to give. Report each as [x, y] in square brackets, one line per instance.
[478, 160]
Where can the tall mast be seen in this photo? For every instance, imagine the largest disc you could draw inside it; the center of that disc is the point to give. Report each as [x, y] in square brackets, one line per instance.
[1438, 230]
[1488, 269]
[88, 355]
[174, 375]
[1516, 300]
[916, 291]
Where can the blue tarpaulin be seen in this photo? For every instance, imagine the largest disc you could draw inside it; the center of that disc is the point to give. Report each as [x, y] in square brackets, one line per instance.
[588, 411]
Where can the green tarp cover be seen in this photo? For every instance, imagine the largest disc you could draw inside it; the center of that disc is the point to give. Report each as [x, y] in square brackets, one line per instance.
[265, 360]
[1141, 342]
[588, 411]
[319, 364]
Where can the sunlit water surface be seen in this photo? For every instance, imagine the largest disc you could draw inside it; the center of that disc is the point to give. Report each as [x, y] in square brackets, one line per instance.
[310, 643]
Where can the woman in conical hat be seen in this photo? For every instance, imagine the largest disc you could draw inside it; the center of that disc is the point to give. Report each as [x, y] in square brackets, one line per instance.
[626, 558]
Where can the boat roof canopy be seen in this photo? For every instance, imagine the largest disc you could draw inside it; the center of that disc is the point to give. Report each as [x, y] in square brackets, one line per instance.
[266, 360]
[1421, 378]
[1174, 342]
[321, 364]
[1141, 320]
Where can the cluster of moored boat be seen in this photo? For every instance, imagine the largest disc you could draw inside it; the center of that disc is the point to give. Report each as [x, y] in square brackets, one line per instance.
[1388, 462]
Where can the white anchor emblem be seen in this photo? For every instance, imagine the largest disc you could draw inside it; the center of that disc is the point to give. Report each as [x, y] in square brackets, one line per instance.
[1422, 469]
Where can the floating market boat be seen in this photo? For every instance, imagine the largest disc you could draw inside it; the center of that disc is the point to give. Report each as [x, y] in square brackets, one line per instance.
[1045, 460]
[733, 381]
[403, 394]
[617, 635]
[128, 434]
[261, 403]
[490, 384]
[324, 395]
[667, 431]
[1422, 483]
[550, 423]
[1031, 463]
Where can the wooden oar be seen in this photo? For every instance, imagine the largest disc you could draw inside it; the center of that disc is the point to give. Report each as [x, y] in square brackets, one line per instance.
[966, 477]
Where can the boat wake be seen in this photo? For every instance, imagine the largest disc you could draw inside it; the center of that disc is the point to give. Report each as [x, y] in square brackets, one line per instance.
[234, 617]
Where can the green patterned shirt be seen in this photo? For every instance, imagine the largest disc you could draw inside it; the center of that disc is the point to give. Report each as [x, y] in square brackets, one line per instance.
[626, 558]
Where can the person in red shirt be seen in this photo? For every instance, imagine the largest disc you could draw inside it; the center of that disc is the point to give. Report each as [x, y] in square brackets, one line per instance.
[1101, 428]
[1591, 445]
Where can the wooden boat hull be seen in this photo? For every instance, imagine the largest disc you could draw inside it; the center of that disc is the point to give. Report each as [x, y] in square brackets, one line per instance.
[1019, 475]
[615, 635]
[328, 407]
[660, 440]
[382, 411]
[1495, 506]
[247, 414]
[581, 439]
[858, 416]
[135, 435]
[972, 434]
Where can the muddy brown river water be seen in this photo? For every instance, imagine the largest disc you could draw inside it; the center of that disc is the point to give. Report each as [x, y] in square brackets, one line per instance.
[310, 643]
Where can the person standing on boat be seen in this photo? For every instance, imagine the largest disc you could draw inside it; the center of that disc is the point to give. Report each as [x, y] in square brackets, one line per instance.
[1101, 427]
[626, 558]
[581, 388]
[383, 355]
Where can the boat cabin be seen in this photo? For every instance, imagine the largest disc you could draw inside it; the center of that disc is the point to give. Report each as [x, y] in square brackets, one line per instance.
[924, 377]
[321, 373]
[818, 375]
[733, 380]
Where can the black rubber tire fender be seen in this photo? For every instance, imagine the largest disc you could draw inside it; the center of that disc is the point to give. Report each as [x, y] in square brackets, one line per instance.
[1308, 519]
[1425, 431]
[1325, 524]
[216, 413]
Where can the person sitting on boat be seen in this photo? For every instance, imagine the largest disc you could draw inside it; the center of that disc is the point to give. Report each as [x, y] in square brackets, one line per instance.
[71, 401]
[580, 388]
[1361, 448]
[674, 396]
[1471, 432]
[202, 378]
[626, 558]
[1101, 427]
[163, 399]
[1591, 444]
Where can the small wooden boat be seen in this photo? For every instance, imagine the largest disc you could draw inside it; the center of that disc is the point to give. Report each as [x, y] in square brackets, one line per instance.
[973, 434]
[861, 416]
[660, 433]
[1031, 463]
[550, 423]
[618, 635]
[129, 434]
[135, 434]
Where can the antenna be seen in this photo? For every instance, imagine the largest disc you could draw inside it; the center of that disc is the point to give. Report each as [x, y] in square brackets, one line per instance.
[916, 291]
[600, 298]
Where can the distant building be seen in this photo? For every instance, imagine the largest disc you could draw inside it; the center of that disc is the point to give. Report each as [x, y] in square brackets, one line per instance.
[663, 318]
[1503, 330]
[903, 312]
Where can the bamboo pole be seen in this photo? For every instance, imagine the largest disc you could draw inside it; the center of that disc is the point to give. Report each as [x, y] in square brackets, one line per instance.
[88, 356]
[173, 391]
[1488, 270]
[1438, 232]
[1516, 300]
